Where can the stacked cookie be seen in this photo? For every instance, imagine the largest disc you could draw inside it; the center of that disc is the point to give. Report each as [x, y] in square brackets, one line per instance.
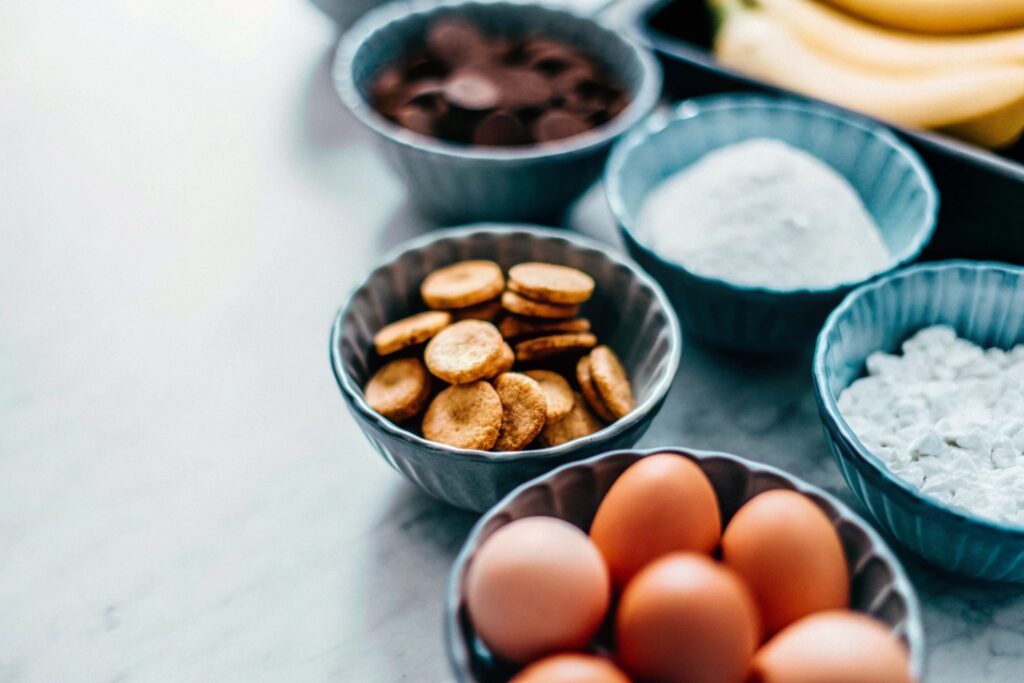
[476, 319]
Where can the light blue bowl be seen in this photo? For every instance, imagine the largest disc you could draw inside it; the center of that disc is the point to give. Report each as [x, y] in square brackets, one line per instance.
[891, 179]
[461, 183]
[984, 302]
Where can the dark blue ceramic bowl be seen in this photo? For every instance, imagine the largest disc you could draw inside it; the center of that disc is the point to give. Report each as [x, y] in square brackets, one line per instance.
[462, 183]
[892, 181]
[878, 585]
[629, 312]
[984, 302]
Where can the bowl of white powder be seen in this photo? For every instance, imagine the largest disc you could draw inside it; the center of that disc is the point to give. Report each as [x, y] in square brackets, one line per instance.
[919, 379]
[758, 214]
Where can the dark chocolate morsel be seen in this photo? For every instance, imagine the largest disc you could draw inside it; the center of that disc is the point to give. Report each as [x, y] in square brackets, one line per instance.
[457, 42]
[472, 89]
[501, 128]
[522, 88]
[557, 124]
[415, 119]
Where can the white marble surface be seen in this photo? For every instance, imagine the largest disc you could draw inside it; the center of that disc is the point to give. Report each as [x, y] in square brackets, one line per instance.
[182, 494]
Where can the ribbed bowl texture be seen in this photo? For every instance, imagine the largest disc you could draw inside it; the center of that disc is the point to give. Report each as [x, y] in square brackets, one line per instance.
[628, 312]
[460, 183]
[892, 181]
[879, 586]
[984, 303]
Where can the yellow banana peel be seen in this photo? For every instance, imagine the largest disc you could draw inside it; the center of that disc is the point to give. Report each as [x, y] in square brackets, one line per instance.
[753, 42]
[858, 43]
[999, 129]
[938, 16]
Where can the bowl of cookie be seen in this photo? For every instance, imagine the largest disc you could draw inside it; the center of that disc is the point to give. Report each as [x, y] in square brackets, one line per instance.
[476, 358]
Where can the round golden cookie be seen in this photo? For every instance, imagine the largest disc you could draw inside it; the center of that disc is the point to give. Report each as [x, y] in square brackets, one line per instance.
[516, 303]
[586, 382]
[551, 283]
[410, 331]
[543, 347]
[462, 284]
[513, 326]
[465, 351]
[399, 390]
[488, 310]
[557, 392]
[464, 416]
[508, 359]
[524, 411]
[578, 423]
[611, 381]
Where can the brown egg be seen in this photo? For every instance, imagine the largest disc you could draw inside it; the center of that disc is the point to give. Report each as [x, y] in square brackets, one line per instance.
[537, 586]
[661, 504]
[686, 619]
[790, 556]
[832, 647]
[571, 668]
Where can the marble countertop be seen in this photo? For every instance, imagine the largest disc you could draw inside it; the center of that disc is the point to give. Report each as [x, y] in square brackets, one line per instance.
[183, 496]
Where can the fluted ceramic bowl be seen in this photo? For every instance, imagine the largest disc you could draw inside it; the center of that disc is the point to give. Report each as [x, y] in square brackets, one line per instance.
[463, 183]
[984, 303]
[879, 586]
[628, 311]
[891, 179]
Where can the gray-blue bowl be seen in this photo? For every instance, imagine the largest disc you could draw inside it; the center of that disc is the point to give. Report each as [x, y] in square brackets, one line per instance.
[878, 585]
[889, 176]
[462, 183]
[629, 312]
[984, 302]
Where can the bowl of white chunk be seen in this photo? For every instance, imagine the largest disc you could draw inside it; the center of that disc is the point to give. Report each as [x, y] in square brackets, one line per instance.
[758, 214]
[919, 379]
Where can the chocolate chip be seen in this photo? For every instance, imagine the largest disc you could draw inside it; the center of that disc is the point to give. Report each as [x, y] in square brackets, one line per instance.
[522, 88]
[456, 42]
[557, 124]
[415, 119]
[501, 128]
[472, 89]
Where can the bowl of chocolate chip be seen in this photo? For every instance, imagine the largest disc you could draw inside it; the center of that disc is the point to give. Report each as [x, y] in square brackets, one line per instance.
[493, 110]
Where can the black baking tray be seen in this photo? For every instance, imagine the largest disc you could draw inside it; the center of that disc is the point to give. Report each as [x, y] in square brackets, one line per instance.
[982, 193]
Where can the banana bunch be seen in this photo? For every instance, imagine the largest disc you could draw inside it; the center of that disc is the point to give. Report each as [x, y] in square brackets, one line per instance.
[970, 85]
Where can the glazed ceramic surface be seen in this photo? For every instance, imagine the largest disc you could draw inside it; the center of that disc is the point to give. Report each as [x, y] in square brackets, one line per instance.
[462, 183]
[629, 312]
[984, 302]
[879, 586]
[895, 186]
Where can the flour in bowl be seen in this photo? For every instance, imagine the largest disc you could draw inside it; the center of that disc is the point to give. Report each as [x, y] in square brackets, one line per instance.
[762, 213]
[948, 417]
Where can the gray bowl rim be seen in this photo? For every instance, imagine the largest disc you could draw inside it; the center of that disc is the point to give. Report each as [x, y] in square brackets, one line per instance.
[640, 105]
[829, 406]
[458, 658]
[698, 106]
[658, 393]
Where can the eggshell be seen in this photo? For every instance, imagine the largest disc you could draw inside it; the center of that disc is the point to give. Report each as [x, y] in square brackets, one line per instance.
[661, 504]
[571, 668]
[537, 586]
[832, 647]
[789, 554]
[686, 619]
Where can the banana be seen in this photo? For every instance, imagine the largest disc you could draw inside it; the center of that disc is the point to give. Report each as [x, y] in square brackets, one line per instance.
[999, 129]
[859, 43]
[754, 43]
[938, 16]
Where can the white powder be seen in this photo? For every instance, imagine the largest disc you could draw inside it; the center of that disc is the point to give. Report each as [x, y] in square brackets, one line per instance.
[763, 213]
[948, 417]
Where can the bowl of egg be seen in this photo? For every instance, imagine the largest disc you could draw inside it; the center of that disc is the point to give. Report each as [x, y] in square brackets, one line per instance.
[678, 565]
[758, 214]
[919, 379]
